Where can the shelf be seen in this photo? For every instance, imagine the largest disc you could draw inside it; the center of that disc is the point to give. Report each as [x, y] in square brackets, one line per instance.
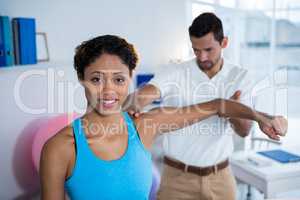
[41, 65]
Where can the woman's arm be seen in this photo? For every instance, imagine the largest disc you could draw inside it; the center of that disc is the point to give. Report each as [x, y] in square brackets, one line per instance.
[166, 119]
[53, 169]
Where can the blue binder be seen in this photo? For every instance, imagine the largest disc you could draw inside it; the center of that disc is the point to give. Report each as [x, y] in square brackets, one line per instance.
[2, 50]
[8, 41]
[25, 29]
[142, 79]
[15, 26]
[280, 156]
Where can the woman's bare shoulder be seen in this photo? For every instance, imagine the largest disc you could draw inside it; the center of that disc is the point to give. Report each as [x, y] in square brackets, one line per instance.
[57, 153]
[61, 144]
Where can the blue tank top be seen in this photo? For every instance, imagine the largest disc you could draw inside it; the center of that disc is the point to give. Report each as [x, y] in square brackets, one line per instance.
[129, 177]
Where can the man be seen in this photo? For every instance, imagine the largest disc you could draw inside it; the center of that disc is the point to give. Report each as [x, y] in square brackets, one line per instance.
[196, 158]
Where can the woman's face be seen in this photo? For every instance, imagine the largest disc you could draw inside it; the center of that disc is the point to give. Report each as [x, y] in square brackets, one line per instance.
[106, 83]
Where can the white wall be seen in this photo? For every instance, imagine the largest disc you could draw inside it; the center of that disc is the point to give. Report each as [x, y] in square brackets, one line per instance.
[22, 89]
[157, 28]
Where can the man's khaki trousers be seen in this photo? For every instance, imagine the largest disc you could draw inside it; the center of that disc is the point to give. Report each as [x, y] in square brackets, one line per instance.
[177, 184]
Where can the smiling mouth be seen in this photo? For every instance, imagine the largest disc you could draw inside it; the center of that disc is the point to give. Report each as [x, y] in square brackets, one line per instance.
[108, 103]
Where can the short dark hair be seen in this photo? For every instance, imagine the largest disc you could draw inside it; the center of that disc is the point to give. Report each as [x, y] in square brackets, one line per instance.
[205, 23]
[88, 51]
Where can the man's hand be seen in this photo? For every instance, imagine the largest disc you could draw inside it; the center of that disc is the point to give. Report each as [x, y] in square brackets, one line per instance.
[142, 97]
[236, 96]
[131, 105]
[273, 126]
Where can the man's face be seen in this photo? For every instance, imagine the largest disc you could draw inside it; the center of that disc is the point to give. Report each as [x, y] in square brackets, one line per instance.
[207, 50]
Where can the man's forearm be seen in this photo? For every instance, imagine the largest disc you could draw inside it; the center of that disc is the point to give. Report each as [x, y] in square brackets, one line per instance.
[223, 108]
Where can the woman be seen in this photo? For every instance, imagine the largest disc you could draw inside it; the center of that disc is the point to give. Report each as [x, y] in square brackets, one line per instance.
[105, 154]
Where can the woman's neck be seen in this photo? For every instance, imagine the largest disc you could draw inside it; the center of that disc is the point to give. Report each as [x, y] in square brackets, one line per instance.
[109, 125]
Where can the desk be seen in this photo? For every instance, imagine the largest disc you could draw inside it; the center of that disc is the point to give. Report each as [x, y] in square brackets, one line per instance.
[272, 179]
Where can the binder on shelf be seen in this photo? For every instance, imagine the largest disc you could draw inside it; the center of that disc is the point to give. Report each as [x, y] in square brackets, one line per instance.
[25, 41]
[16, 40]
[2, 50]
[8, 41]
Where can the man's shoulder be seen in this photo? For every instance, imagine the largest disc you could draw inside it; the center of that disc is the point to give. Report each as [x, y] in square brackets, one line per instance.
[232, 66]
[239, 76]
[235, 70]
